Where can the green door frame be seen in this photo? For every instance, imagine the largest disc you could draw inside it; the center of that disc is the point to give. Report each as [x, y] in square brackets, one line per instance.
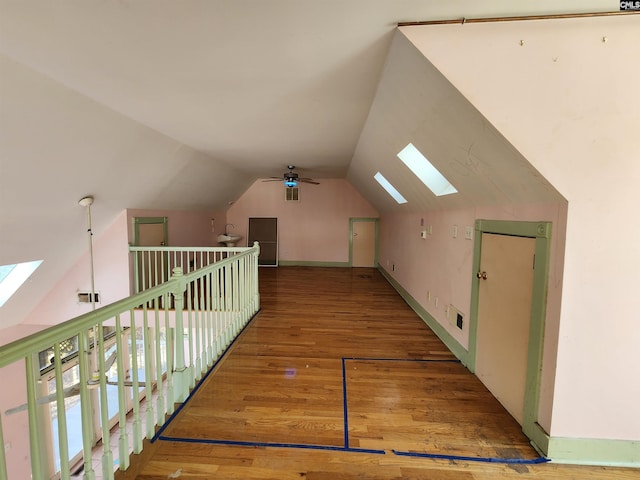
[363, 219]
[541, 231]
[137, 221]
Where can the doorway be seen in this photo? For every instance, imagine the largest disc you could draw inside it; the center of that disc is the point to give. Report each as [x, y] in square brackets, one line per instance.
[363, 242]
[265, 232]
[508, 308]
[150, 267]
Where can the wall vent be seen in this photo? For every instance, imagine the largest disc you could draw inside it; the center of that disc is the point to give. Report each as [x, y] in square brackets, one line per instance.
[292, 194]
[85, 297]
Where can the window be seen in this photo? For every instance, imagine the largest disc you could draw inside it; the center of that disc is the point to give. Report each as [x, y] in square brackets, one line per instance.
[391, 190]
[425, 171]
[13, 276]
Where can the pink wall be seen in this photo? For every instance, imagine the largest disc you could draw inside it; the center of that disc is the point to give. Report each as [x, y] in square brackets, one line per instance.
[185, 229]
[570, 116]
[111, 266]
[442, 265]
[315, 229]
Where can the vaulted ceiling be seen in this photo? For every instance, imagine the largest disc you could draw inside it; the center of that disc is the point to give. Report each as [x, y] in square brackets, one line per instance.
[182, 105]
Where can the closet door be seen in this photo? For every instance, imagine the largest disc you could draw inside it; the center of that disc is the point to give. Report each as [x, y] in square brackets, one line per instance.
[265, 232]
[504, 317]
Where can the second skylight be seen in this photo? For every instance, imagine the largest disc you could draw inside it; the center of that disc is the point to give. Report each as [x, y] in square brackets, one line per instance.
[425, 171]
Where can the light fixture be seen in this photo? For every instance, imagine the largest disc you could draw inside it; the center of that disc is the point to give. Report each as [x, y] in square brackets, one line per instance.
[87, 202]
[290, 183]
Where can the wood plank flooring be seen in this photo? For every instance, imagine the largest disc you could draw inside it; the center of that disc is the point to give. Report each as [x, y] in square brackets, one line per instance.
[274, 407]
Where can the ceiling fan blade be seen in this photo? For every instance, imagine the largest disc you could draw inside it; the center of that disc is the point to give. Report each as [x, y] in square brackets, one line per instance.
[273, 180]
[308, 180]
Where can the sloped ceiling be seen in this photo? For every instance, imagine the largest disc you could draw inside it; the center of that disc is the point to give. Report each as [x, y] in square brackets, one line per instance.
[416, 103]
[182, 105]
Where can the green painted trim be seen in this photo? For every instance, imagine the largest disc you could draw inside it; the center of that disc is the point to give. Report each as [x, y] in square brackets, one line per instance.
[302, 263]
[150, 221]
[375, 247]
[595, 451]
[515, 228]
[539, 438]
[452, 344]
[541, 231]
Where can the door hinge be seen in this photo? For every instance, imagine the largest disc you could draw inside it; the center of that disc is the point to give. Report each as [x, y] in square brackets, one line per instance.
[534, 262]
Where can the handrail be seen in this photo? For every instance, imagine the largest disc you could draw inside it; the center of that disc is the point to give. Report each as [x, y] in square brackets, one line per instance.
[39, 341]
[153, 264]
[154, 361]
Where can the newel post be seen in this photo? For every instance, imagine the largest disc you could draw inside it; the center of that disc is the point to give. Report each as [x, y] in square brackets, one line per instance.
[180, 374]
[254, 273]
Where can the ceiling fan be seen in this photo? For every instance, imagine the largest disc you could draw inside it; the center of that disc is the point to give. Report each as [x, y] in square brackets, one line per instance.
[291, 179]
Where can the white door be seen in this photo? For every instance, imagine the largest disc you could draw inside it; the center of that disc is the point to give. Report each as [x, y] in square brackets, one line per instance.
[504, 310]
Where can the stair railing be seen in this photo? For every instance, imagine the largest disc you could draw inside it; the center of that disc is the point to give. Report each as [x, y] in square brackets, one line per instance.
[137, 357]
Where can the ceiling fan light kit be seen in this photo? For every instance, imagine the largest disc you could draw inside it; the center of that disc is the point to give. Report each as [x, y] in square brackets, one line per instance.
[291, 178]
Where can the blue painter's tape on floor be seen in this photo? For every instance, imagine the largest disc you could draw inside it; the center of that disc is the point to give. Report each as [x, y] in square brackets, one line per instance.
[271, 445]
[345, 448]
[426, 360]
[344, 405]
[181, 406]
[522, 461]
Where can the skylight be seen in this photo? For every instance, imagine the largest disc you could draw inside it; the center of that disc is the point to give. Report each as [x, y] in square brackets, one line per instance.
[391, 190]
[13, 276]
[425, 171]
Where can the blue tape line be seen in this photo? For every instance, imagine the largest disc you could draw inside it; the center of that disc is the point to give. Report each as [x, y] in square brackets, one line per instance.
[524, 461]
[181, 406]
[270, 444]
[435, 360]
[344, 404]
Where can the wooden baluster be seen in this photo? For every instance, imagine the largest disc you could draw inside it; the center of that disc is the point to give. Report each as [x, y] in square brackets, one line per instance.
[135, 381]
[63, 439]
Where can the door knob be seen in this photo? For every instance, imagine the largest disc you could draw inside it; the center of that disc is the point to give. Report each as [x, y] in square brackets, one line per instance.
[482, 275]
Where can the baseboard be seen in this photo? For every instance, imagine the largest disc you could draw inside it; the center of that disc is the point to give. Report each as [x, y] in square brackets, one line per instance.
[452, 344]
[302, 263]
[594, 451]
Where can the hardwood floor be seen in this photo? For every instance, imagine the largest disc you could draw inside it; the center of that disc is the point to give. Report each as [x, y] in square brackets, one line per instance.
[275, 407]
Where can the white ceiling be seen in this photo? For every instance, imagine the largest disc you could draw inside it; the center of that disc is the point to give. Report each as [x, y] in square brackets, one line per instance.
[183, 104]
[260, 84]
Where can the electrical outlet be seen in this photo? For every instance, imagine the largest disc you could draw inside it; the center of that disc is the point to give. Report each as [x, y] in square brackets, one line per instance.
[454, 316]
[428, 295]
[7, 446]
[454, 231]
[436, 302]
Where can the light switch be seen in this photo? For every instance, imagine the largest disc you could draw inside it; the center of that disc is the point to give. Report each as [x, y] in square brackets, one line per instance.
[468, 233]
